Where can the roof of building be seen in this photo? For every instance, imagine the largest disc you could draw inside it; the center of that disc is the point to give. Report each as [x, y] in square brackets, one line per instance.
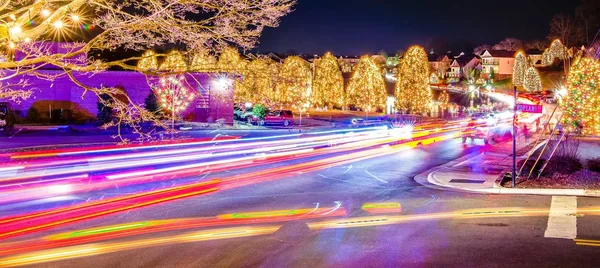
[501, 53]
[466, 58]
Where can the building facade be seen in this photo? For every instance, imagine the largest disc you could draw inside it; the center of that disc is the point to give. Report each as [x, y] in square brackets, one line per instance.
[212, 101]
[497, 63]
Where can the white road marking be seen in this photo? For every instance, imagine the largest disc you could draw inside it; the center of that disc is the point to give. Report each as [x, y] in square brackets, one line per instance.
[375, 177]
[349, 168]
[562, 222]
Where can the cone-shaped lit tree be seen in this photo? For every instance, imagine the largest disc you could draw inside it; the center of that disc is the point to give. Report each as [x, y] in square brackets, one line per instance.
[258, 82]
[148, 62]
[532, 82]
[295, 83]
[174, 62]
[328, 83]
[366, 88]
[412, 89]
[203, 62]
[519, 69]
[582, 104]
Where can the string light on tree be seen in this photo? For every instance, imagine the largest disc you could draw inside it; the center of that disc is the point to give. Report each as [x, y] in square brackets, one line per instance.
[521, 65]
[582, 103]
[328, 87]
[258, 83]
[366, 88]
[148, 61]
[295, 83]
[413, 93]
[532, 81]
[173, 95]
[174, 62]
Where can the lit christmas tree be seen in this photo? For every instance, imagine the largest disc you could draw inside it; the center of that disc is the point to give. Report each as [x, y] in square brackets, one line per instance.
[230, 61]
[148, 61]
[328, 83]
[582, 103]
[258, 83]
[366, 88]
[203, 62]
[174, 62]
[295, 83]
[532, 82]
[521, 65]
[557, 50]
[412, 89]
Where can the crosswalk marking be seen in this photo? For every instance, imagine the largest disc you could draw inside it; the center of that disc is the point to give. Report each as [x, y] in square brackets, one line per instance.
[562, 222]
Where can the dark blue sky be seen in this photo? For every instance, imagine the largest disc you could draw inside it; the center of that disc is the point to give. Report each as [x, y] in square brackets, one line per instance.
[367, 26]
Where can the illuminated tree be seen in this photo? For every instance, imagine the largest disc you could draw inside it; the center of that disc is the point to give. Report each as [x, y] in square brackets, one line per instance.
[202, 61]
[556, 51]
[26, 25]
[532, 81]
[443, 99]
[519, 69]
[328, 83]
[582, 103]
[258, 82]
[412, 89]
[230, 60]
[173, 95]
[174, 62]
[148, 62]
[366, 88]
[294, 85]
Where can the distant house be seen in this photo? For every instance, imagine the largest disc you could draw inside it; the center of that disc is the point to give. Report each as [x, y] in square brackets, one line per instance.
[460, 64]
[497, 62]
[440, 63]
[347, 63]
[535, 57]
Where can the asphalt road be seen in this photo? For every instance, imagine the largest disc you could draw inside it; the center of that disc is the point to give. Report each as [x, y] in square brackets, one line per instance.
[422, 236]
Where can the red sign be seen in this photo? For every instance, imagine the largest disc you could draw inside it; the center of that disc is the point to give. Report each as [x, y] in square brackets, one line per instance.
[529, 108]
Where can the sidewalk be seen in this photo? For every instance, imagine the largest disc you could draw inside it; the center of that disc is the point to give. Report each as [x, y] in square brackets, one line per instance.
[481, 172]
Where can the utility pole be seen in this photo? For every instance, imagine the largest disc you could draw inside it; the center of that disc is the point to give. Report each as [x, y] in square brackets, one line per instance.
[514, 136]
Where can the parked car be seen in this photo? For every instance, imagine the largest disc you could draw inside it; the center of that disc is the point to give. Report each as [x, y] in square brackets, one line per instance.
[241, 114]
[275, 117]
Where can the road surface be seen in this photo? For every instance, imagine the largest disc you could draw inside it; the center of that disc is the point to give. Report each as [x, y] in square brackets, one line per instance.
[326, 200]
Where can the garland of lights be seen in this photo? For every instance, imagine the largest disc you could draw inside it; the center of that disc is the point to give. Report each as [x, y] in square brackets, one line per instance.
[295, 83]
[532, 81]
[413, 93]
[582, 103]
[328, 87]
[366, 88]
[173, 95]
[519, 69]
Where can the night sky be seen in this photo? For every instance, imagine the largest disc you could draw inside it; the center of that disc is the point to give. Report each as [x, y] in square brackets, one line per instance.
[355, 27]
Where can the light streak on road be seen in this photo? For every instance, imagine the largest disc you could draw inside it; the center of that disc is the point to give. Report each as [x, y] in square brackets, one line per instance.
[93, 249]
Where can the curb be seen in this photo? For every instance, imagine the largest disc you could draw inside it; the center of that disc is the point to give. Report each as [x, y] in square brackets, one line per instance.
[427, 179]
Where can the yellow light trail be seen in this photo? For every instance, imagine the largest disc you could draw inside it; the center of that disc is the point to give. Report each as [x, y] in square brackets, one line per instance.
[247, 231]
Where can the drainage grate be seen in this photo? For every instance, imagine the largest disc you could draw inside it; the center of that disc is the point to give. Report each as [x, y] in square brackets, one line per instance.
[467, 181]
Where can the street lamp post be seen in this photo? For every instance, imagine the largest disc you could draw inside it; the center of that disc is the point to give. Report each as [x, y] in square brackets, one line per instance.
[514, 140]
